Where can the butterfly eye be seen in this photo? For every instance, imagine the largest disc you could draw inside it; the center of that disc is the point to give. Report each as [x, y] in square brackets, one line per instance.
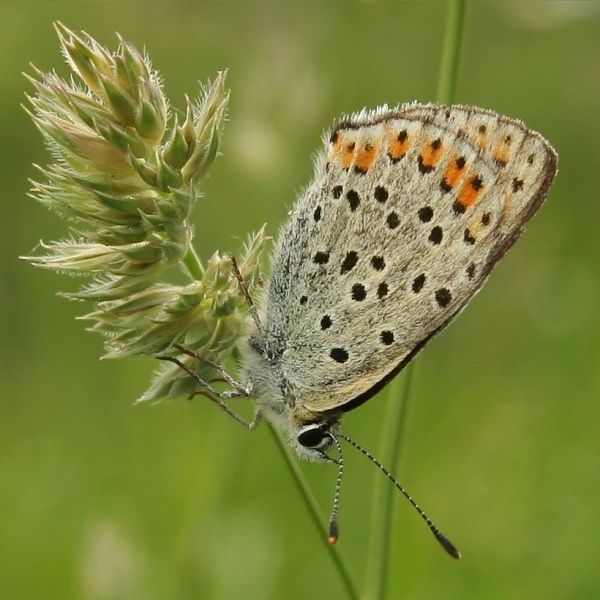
[313, 436]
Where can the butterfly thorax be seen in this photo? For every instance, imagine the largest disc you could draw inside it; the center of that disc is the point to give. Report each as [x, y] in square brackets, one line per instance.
[280, 402]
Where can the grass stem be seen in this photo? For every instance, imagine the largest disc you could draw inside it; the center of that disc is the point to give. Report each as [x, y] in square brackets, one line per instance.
[384, 492]
[316, 516]
[451, 51]
[378, 558]
[193, 264]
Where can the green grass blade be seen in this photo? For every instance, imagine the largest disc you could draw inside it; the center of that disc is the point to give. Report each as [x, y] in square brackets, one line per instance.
[193, 264]
[451, 51]
[316, 516]
[378, 557]
[384, 492]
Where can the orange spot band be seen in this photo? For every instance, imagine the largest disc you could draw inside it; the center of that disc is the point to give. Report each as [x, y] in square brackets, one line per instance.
[454, 172]
[431, 154]
[501, 154]
[471, 191]
[399, 146]
[366, 157]
[348, 154]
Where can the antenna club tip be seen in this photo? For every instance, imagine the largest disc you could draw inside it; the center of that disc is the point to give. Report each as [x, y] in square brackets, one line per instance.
[447, 545]
[453, 552]
[333, 534]
[333, 531]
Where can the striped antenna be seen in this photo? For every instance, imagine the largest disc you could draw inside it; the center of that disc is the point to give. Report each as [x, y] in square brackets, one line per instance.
[446, 544]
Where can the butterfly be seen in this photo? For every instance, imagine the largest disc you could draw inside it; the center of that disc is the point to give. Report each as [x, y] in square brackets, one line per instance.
[408, 212]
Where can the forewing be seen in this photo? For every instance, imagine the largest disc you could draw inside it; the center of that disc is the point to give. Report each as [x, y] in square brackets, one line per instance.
[408, 212]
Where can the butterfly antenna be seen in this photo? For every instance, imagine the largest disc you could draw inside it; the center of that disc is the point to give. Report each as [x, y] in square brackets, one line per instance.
[242, 283]
[333, 519]
[446, 544]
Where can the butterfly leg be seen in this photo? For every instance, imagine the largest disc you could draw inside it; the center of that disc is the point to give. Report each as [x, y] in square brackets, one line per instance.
[218, 398]
[242, 391]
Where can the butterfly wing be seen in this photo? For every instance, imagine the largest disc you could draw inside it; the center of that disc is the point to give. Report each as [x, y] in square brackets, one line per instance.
[408, 212]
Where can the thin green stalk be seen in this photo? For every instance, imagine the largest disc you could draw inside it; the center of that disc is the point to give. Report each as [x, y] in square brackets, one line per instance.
[451, 52]
[316, 515]
[193, 264]
[378, 557]
[384, 492]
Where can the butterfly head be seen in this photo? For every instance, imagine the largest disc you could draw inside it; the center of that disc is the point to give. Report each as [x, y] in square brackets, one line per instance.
[311, 434]
[312, 440]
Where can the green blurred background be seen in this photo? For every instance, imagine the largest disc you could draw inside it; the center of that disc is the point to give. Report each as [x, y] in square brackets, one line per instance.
[103, 500]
